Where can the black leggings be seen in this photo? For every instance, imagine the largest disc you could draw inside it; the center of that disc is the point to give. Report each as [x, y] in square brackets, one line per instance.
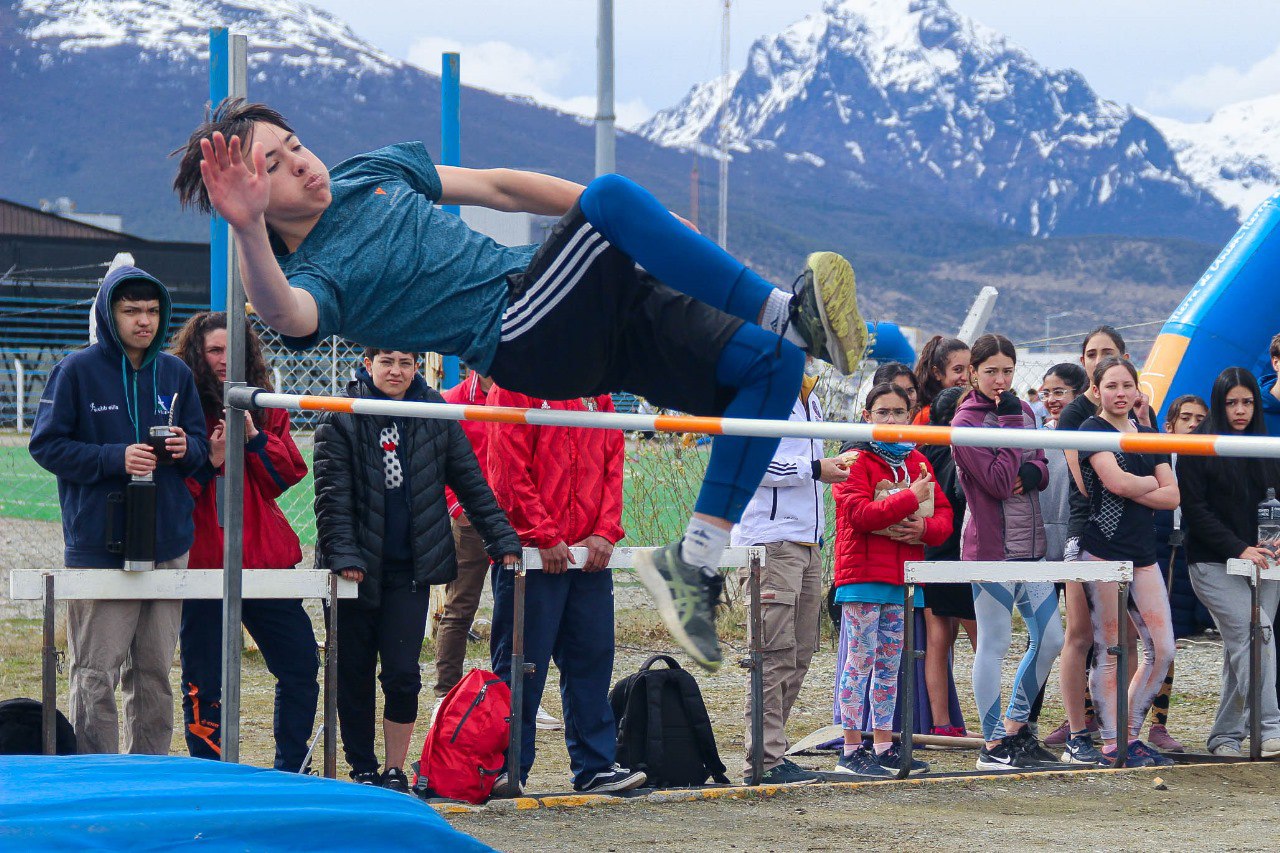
[392, 632]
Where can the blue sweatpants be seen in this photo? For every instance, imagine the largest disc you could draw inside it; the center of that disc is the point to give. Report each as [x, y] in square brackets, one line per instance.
[283, 632]
[568, 619]
[765, 370]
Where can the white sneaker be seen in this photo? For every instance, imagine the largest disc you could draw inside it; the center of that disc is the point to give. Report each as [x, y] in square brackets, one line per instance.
[1229, 749]
[546, 722]
[1271, 747]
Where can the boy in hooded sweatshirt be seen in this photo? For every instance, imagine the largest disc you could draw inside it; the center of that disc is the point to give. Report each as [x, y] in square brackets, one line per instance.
[91, 431]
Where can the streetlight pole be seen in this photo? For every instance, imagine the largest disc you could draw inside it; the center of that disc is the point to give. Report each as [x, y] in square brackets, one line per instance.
[1049, 319]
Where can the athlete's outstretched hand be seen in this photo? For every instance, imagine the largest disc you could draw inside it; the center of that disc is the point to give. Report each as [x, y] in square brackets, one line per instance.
[239, 193]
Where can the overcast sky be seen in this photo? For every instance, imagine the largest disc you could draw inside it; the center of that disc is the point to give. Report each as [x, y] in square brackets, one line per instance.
[1180, 58]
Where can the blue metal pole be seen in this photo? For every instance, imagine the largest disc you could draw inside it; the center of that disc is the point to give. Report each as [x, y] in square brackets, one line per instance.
[450, 155]
[219, 234]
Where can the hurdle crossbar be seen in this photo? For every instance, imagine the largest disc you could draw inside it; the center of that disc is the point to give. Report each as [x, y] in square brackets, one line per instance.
[178, 584]
[1083, 571]
[1188, 445]
[752, 557]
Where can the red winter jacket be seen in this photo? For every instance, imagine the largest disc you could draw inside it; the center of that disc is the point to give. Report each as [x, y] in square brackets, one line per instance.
[468, 393]
[272, 464]
[863, 556]
[556, 484]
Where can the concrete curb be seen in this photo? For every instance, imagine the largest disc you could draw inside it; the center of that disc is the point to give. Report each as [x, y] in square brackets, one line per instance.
[746, 792]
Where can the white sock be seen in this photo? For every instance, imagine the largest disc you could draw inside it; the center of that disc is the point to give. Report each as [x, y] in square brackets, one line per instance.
[703, 544]
[773, 317]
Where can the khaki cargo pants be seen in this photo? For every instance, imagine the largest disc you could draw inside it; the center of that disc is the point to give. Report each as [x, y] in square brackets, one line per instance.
[129, 643]
[791, 597]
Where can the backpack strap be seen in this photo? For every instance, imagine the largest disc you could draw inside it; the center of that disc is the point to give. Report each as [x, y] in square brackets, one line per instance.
[667, 659]
[695, 710]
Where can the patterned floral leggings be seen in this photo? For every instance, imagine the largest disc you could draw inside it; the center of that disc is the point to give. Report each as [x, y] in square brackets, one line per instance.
[873, 637]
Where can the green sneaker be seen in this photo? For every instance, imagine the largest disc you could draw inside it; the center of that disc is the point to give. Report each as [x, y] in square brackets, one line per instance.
[825, 312]
[686, 600]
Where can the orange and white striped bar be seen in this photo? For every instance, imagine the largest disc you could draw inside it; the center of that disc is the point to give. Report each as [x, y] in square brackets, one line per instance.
[1189, 445]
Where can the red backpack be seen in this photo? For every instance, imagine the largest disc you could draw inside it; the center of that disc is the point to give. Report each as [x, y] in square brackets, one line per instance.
[466, 747]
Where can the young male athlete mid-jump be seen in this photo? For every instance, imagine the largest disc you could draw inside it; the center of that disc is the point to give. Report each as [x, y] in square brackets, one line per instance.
[623, 296]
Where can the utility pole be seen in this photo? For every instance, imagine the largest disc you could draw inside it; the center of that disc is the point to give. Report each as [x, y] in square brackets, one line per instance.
[605, 119]
[723, 223]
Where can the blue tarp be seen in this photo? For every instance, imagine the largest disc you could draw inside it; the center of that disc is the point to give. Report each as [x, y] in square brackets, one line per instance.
[137, 803]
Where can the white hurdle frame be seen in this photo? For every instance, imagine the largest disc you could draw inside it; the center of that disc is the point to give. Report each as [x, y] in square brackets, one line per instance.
[1255, 577]
[1080, 571]
[752, 557]
[180, 584]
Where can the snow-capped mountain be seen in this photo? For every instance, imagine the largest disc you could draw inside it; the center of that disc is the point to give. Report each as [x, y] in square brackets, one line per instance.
[1235, 154]
[887, 92]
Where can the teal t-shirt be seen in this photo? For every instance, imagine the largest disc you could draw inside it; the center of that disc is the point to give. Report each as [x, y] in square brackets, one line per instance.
[874, 592]
[389, 268]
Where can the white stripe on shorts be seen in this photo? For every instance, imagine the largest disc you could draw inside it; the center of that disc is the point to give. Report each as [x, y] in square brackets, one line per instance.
[553, 286]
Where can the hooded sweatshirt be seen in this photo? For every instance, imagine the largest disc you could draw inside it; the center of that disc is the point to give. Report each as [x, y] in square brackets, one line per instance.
[1000, 525]
[1270, 405]
[94, 406]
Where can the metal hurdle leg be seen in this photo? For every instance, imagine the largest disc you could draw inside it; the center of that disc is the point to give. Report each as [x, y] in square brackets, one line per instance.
[756, 656]
[1255, 665]
[1121, 652]
[49, 675]
[518, 671]
[331, 683]
[907, 698]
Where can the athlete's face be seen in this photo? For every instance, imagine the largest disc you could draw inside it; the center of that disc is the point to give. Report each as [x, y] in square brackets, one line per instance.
[1056, 395]
[299, 181]
[994, 376]
[956, 373]
[908, 387]
[1189, 416]
[392, 372]
[215, 353]
[1118, 391]
[137, 323]
[1097, 348]
[1239, 405]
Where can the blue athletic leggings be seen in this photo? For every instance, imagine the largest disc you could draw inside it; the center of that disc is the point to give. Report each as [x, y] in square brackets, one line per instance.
[765, 369]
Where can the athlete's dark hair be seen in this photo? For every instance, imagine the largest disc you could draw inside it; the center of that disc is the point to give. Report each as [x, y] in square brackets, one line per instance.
[1275, 347]
[373, 352]
[890, 371]
[1218, 423]
[933, 360]
[879, 390]
[943, 408]
[1110, 332]
[136, 290]
[188, 345]
[1072, 374]
[990, 345]
[232, 117]
[1113, 361]
[1175, 408]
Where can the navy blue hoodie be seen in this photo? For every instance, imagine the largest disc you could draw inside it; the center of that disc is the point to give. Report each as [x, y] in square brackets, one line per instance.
[93, 407]
[1270, 405]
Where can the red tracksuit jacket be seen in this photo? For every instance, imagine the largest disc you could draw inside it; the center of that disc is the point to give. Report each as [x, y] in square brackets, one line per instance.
[468, 393]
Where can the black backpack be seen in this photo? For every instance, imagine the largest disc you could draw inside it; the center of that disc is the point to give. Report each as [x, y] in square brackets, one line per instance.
[20, 729]
[663, 727]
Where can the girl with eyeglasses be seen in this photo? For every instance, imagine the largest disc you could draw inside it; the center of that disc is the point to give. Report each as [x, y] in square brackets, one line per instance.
[1124, 491]
[1219, 510]
[888, 509]
[1002, 487]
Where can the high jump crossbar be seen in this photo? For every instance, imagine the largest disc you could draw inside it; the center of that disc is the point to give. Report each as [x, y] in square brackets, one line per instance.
[1132, 442]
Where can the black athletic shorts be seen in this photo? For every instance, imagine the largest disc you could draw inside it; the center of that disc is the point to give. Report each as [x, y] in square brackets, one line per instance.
[949, 599]
[583, 320]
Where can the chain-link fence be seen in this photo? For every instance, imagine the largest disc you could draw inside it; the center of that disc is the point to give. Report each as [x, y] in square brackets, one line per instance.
[663, 471]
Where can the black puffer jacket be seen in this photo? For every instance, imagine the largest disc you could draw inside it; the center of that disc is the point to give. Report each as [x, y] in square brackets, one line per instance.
[351, 493]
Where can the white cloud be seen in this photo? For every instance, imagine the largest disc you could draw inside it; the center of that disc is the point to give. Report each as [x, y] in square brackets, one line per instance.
[503, 67]
[1206, 91]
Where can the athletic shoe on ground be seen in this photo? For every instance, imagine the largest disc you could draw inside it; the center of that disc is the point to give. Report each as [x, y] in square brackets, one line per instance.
[686, 599]
[862, 763]
[786, 773]
[1025, 742]
[367, 777]
[891, 759]
[1227, 749]
[1080, 750]
[1163, 741]
[395, 780]
[1271, 747]
[948, 731]
[546, 722]
[1137, 747]
[502, 787]
[610, 781]
[825, 312]
[1058, 736]
[1004, 756]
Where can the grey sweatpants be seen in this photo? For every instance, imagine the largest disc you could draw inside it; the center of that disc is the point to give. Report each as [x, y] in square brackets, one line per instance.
[791, 609]
[1227, 597]
[130, 643]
